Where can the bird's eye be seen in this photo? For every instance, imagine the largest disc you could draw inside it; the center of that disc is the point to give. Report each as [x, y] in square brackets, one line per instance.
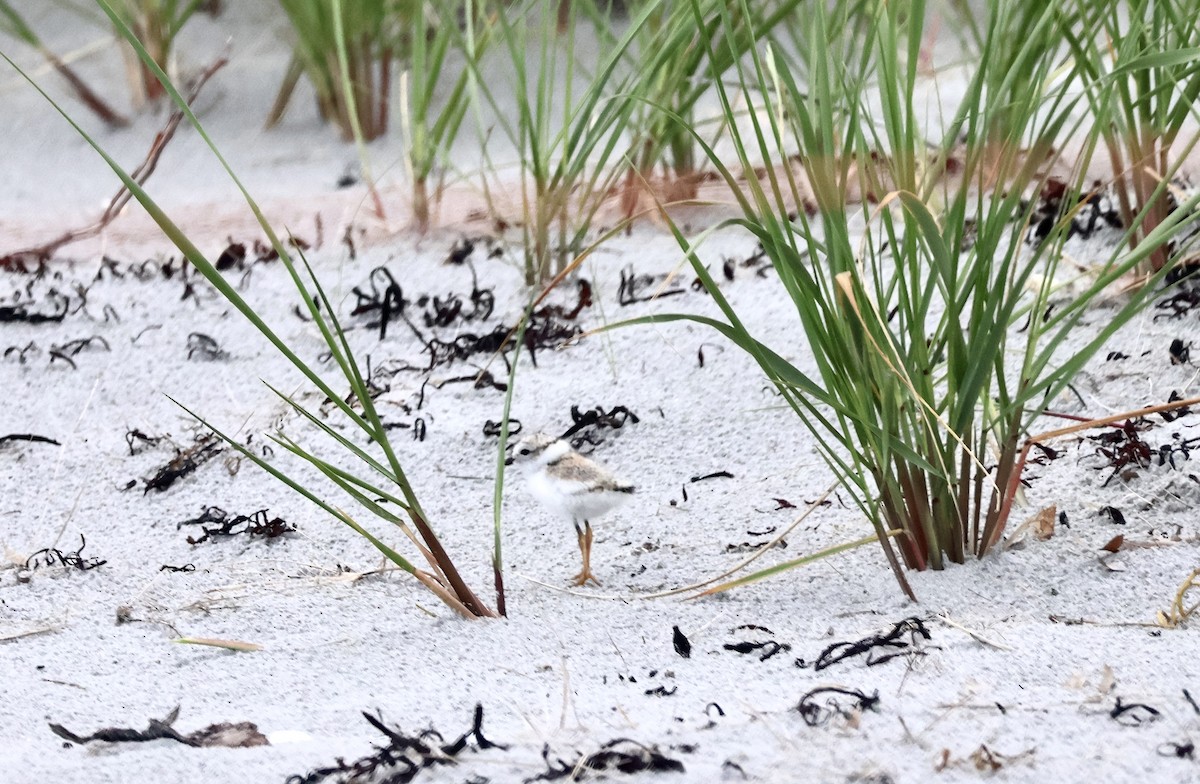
[524, 451]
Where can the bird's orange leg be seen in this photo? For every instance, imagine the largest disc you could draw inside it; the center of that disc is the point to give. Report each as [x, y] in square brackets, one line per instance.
[585, 549]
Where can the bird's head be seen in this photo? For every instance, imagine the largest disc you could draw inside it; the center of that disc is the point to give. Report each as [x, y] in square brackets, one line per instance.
[537, 448]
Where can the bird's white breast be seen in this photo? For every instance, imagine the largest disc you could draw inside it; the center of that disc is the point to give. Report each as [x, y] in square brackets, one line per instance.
[571, 499]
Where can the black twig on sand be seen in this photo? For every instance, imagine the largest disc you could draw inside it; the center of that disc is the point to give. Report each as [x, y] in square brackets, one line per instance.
[28, 437]
[242, 734]
[51, 556]
[634, 758]
[765, 649]
[816, 714]
[403, 757]
[215, 521]
[1133, 714]
[893, 640]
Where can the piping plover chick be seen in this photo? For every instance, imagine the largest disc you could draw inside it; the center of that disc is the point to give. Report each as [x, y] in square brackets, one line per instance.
[571, 486]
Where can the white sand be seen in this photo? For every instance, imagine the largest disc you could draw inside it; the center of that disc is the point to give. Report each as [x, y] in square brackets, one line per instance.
[568, 671]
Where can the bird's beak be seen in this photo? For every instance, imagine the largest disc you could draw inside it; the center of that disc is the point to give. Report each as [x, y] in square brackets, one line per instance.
[508, 461]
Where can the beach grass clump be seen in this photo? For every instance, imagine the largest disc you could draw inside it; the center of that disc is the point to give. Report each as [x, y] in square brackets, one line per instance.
[935, 325]
[156, 24]
[14, 25]
[433, 106]
[675, 71]
[566, 117]
[1141, 63]
[347, 50]
[376, 484]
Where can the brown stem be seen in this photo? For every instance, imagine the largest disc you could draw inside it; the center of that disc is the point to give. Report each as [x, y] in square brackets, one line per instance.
[92, 101]
[139, 175]
[498, 579]
[464, 594]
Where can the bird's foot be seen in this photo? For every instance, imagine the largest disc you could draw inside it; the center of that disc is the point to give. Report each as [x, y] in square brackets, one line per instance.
[583, 578]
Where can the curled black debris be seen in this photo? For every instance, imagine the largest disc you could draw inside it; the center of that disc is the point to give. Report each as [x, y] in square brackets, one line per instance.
[583, 300]
[137, 441]
[185, 568]
[893, 640]
[73, 347]
[403, 757]
[633, 287]
[661, 691]
[765, 649]
[460, 251]
[729, 766]
[51, 556]
[1179, 447]
[634, 757]
[714, 475]
[587, 426]
[385, 301]
[547, 331]
[1186, 750]
[492, 429]
[1114, 514]
[452, 309]
[234, 256]
[60, 304]
[481, 380]
[1133, 714]
[205, 348]
[215, 521]
[816, 714]
[748, 547]
[184, 463]
[1191, 701]
[1180, 352]
[30, 437]
[1179, 304]
[683, 646]
[240, 735]
[1122, 446]
[1088, 210]
[20, 352]
[1175, 413]
[1045, 454]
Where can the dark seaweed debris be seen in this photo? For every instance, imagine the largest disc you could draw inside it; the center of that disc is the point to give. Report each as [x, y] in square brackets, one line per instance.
[893, 641]
[815, 714]
[51, 556]
[215, 521]
[765, 649]
[1133, 714]
[385, 301]
[185, 462]
[587, 426]
[403, 757]
[241, 735]
[1122, 446]
[633, 287]
[1090, 210]
[633, 758]
[58, 306]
